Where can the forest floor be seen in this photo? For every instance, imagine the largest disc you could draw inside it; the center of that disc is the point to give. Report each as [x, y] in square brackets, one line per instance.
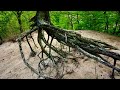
[13, 67]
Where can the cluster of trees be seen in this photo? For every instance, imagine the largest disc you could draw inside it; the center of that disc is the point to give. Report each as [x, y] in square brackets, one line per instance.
[12, 23]
[105, 21]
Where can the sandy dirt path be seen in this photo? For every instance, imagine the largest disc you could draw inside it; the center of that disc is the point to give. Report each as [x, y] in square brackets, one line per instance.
[12, 66]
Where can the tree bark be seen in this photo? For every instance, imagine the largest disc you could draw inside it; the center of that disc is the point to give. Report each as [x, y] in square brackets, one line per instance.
[106, 19]
[89, 47]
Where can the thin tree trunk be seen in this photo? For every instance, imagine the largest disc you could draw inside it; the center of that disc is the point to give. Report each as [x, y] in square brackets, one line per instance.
[71, 23]
[70, 20]
[77, 18]
[106, 23]
[77, 15]
[19, 13]
[1, 41]
[118, 23]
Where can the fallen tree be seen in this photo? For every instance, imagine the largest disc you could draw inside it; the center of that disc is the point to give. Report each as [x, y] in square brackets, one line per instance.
[91, 48]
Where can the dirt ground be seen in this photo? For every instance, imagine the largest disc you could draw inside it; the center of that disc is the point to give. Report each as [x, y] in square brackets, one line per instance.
[13, 67]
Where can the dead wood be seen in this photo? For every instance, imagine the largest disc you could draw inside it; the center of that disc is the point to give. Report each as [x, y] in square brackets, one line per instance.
[89, 47]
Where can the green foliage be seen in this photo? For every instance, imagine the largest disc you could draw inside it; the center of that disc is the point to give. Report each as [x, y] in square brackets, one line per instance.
[5, 18]
[87, 20]
[69, 20]
[9, 27]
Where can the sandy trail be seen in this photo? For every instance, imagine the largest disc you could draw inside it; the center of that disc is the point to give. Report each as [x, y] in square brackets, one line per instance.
[12, 66]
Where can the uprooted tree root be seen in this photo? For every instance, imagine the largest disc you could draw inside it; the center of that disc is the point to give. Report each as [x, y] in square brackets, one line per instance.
[89, 47]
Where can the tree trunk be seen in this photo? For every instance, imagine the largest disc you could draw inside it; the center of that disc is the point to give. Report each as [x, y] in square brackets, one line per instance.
[78, 26]
[106, 21]
[70, 20]
[77, 18]
[19, 13]
[116, 23]
[1, 41]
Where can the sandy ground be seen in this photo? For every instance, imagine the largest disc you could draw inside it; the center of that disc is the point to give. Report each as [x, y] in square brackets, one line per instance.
[12, 66]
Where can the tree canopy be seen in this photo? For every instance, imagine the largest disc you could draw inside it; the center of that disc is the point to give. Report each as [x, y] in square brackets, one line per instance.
[103, 21]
